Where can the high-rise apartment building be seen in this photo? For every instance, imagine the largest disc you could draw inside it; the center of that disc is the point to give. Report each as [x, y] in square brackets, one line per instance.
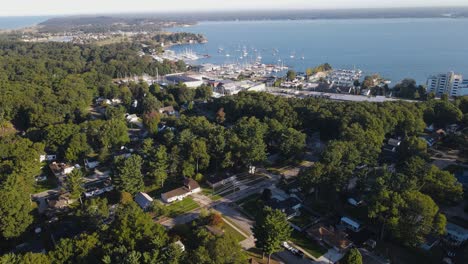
[449, 83]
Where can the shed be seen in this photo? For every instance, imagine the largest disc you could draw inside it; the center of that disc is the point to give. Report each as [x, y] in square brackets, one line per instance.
[143, 200]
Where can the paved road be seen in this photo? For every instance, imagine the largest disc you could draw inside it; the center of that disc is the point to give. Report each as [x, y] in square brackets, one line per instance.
[226, 206]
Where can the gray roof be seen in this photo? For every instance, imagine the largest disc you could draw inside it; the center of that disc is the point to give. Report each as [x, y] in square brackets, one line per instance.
[143, 200]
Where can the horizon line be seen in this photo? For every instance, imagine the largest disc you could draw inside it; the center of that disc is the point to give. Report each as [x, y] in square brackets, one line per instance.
[167, 12]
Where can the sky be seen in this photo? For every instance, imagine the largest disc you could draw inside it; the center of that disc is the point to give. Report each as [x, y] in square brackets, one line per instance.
[67, 7]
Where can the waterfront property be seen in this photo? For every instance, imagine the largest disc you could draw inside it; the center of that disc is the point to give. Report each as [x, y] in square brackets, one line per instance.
[450, 83]
[227, 87]
[191, 81]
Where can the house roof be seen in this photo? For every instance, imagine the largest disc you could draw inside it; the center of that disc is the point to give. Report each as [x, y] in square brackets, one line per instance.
[143, 200]
[334, 238]
[176, 192]
[350, 222]
[394, 142]
[58, 167]
[168, 109]
[191, 184]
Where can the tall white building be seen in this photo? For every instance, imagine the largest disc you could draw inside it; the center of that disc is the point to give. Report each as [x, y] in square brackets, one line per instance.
[449, 83]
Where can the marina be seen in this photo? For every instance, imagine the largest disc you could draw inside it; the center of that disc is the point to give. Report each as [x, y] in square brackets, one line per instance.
[300, 44]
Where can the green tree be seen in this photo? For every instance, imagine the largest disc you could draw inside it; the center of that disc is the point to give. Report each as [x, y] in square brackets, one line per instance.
[270, 230]
[292, 142]
[15, 208]
[151, 121]
[352, 257]
[93, 212]
[75, 183]
[291, 75]
[199, 154]
[159, 165]
[78, 148]
[419, 217]
[442, 186]
[204, 92]
[248, 142]
[128, 176]
[135, 229]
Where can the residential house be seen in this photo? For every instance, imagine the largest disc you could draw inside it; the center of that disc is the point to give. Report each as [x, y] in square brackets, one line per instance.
[429, 242]
[91, 163]
[168, 110]
[456, 234]
[97, 188]
[289, 206]
[190, 187]
[334, 238]
[351, 224]
[394, 142]
[134, 119]
[355, 202]
[61, 202]
[47, 158]
[60, 169]
[143, 200]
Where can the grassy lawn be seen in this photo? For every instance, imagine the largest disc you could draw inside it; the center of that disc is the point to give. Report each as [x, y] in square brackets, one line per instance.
[256, 254]
[307, 244]
[254, 196]
[251, 207]
[302, 220]
[50, 183]
[233, 232]
[209, 192]
[181, 207]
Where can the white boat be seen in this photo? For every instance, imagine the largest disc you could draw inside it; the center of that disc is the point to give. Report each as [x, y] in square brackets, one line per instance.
[228, 55]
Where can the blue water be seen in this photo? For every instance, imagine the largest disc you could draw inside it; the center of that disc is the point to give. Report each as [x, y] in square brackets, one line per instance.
[17, 22]
[394, 48]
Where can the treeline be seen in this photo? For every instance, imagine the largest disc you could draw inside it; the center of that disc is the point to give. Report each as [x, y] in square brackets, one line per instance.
[179, 37]
[51, 83]
[134, 237]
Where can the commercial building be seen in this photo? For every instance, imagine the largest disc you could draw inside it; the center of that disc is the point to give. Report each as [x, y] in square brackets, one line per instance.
[234, 87]
[190, 81]
[450, 83]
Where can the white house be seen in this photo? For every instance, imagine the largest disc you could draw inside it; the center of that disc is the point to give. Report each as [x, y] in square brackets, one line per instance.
[59, 169]
[143, 200]
[190, 187]
[47, 158]
[351, 224]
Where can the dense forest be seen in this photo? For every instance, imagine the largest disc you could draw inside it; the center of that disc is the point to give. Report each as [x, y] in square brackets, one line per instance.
[47, 93]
